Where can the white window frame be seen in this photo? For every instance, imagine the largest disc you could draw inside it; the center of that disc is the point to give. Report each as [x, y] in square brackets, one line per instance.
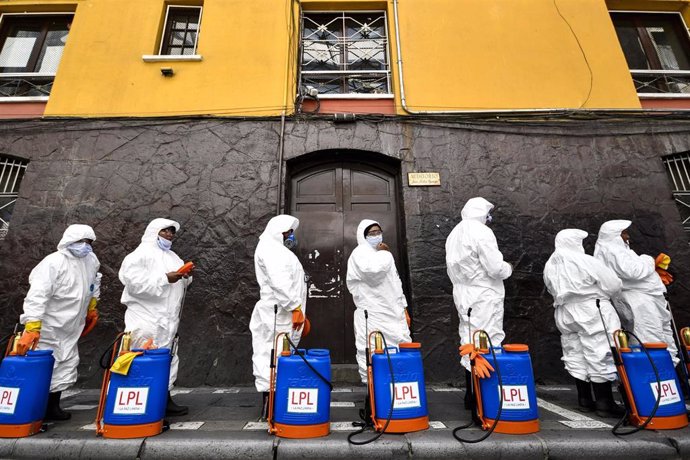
[173, 57]
[659, 72]
[390, 94]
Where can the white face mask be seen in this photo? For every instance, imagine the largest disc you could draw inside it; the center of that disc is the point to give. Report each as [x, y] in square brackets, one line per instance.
[374, 241]
[164, 244]
[80, 250]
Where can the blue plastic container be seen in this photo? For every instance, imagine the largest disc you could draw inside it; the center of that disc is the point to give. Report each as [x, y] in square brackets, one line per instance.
[519, 394]
[643, 382]
[140, 397]
[24, 388]
[301, 397]
[410, 411]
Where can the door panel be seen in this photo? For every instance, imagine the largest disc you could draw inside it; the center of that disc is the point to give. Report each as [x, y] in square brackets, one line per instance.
[330, 200]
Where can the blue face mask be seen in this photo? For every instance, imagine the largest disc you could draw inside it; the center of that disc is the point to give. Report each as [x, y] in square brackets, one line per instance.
[80, 250]
[290, 242]
[375, 240]
[164, 244]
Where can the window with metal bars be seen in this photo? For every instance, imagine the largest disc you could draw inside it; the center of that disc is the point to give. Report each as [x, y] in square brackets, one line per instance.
[678, 169]
[31, 47]
[181, 30]
[345, 53]
[11, 174]
[657, 49]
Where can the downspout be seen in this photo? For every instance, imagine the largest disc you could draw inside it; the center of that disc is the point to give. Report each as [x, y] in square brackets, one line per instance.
[403, 100]
[281, 143]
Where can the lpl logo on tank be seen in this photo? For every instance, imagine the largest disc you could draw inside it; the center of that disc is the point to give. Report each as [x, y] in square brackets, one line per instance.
[8, 400]
[515, 397]
[303, 400]
[406, 395]
[131, 401]
[669, 392]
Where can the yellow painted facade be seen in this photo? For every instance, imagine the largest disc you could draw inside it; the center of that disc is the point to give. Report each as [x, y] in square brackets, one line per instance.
[456, 55]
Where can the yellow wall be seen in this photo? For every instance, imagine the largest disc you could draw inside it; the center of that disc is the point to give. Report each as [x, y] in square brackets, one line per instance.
[457, 55]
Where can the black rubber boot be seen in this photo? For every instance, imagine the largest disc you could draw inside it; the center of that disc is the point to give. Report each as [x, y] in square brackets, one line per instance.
[365, 414]
[53, 411]
[173, 410]
[604, 404]
[264, 406]
[584, 396]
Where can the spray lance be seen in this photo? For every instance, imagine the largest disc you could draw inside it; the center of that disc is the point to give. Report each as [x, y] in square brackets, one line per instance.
[682, 351]
[621, 341]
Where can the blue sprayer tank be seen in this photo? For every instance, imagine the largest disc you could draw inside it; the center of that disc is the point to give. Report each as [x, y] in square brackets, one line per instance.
[302, 402]
[410, 411]
[136, 402]
[671, 413]
[24, 388]
[520, 414]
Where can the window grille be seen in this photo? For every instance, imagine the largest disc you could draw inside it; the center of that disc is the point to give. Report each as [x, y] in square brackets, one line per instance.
[678, 168]
[345, 53]
[11, 174]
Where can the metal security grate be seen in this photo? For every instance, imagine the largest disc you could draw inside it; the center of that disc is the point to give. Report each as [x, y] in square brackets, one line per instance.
[11, 174]
[678, 168]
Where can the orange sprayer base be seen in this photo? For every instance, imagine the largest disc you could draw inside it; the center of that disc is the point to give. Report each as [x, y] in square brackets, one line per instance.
[662, 423]
[407, 425]
[526, 427]
[20, 431]
[302, 431]
[132, 431]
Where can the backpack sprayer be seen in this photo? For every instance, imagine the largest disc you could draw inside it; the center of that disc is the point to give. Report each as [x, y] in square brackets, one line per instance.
[649, 402]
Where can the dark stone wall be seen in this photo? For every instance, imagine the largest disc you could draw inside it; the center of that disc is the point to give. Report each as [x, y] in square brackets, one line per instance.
[219, 179]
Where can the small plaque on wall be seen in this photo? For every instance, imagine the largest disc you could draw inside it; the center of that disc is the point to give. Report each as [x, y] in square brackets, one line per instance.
[424, 179]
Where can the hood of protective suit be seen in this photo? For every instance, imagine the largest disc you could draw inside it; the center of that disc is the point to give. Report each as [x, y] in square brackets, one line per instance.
[156, 225]
[610, 234]
[361, 239]
[75, 233]
[476, 209]
[277, 226]
[571, 239]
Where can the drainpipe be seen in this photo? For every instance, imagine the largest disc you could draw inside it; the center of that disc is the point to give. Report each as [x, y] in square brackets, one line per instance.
[281, 144]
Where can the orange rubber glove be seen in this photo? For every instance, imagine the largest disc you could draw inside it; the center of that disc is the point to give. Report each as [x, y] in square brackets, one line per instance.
[407, 318]
[480, 365]
[297, 318]
[307, 327]
[148, 345]
[27, 341]
[662, 262]
[91, 317]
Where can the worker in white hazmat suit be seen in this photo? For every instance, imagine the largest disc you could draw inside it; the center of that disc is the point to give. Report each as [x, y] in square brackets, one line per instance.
[643, 291]
[576, 281]
[153, 293]
[61, 306]
[282, 285]
[476, 268]
[373, 281]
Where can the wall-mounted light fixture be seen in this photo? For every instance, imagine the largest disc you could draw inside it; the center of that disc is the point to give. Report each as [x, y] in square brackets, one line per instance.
[167, 71]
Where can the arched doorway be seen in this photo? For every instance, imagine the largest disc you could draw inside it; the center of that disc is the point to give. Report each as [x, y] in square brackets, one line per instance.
[330, 193]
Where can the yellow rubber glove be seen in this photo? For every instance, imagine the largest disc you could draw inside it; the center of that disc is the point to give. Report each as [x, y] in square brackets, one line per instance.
[663, 261]
[297, 318]
[124, 362]
[30, 337]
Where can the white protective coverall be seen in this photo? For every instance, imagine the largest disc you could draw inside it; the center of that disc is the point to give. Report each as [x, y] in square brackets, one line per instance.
[282, 282]
[62, 286]
[643, 290]
[153, 303]
[576, 280]
[477, 270]
[373, 281]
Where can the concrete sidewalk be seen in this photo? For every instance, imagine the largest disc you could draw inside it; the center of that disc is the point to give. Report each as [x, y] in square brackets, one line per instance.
[221, 424]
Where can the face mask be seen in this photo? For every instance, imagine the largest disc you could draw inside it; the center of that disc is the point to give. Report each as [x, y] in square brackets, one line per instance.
[290, 242]
[164, 244]
[489, 219]
[80, 250]
[374, 241]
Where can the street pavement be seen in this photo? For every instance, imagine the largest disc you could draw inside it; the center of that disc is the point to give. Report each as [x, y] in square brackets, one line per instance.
[222, 424]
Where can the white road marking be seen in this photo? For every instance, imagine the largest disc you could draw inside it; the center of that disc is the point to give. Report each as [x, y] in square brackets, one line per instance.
[584, 424]
[434, 388]
[436, 425]
[186, 425]
[545, 388]
[69, 393]
[82, 407]
[226, 390]
[343, 426]
[342, 404]
[256, 426]
[575, 419]
[89, 427]
[180, 391]
[342, 390]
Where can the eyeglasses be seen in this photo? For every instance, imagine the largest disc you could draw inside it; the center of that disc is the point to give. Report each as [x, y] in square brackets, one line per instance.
[375, 233]
[170, 230]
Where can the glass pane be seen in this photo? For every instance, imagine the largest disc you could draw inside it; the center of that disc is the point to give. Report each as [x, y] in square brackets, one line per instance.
[177, 38]
[322, 26]
[51, 53]
[175, 50]
[358, 26]
[668, 46]
[16, 52]
[630, 42]
[189, 39]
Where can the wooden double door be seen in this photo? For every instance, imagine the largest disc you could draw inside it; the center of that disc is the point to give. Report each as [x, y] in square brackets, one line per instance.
[330, 200]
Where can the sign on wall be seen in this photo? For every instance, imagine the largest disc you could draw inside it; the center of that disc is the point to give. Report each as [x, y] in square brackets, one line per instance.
[421, 179]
